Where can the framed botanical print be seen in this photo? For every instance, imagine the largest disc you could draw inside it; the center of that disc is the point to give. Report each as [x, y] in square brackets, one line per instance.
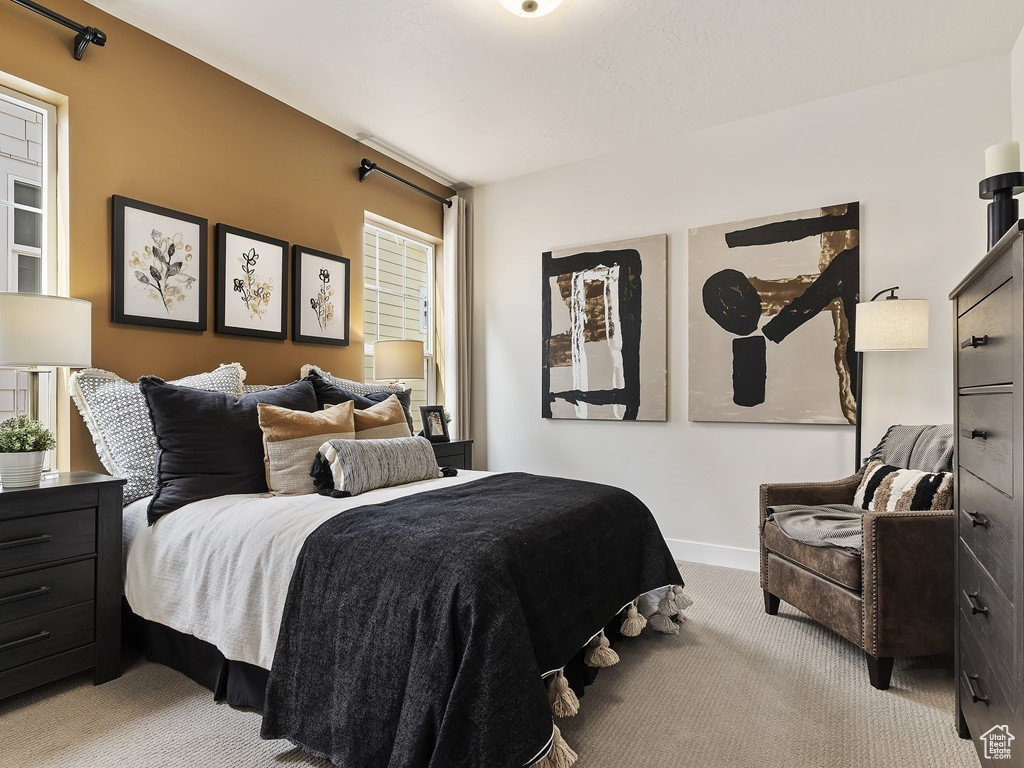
[251, 292]
[159, 266]
[320, 296]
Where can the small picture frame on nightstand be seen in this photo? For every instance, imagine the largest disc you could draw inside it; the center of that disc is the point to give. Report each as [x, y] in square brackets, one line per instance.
[435, 427]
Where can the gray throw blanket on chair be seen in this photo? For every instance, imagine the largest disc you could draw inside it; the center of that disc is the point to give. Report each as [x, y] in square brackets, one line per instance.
[927, 448]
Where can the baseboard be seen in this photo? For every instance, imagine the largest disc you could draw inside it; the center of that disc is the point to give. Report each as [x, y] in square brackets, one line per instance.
[715, 554]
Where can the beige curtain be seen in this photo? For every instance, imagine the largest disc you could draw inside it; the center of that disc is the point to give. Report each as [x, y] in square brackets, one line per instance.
[457, 270]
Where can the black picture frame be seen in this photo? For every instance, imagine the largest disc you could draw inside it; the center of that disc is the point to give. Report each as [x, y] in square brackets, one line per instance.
[251, 286]
[316, 318]
[152, 283]
[432, 417]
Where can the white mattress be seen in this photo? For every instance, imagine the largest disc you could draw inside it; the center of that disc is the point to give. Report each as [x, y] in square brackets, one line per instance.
[219, 569]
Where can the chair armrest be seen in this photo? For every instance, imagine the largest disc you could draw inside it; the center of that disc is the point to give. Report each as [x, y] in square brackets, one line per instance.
[908, 582]
[811, 494]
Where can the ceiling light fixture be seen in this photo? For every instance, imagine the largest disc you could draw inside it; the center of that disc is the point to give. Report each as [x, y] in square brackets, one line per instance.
[530, 8]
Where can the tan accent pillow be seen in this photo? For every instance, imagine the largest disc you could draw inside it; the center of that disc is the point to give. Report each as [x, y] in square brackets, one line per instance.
[382, 421]
[292, 438]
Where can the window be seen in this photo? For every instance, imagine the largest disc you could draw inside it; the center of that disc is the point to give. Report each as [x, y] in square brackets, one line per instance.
[27, 232]
[398, 289]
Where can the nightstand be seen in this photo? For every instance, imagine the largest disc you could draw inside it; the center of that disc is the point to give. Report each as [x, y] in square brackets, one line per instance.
[457, 454]
[60, 580]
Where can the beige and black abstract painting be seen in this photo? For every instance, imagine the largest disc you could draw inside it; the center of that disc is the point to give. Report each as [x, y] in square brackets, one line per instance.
[772, 303]
[603, 331]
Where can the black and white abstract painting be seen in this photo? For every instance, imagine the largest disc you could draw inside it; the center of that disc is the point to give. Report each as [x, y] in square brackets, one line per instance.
[603, 331]
[772, 303]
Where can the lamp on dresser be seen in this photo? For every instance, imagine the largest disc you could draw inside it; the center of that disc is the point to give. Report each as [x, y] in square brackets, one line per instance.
[40, 331]
[891, 325]
[397, 360]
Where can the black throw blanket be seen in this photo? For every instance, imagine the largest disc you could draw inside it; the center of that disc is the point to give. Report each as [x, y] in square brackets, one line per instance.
[416, 631]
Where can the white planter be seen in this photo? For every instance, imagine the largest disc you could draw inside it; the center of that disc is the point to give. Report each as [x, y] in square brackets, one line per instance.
[21, 470]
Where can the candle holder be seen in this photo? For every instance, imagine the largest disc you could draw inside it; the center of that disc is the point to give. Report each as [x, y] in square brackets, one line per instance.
[1002, 211]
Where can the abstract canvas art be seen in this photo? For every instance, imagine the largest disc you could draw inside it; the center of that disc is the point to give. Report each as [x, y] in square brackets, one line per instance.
[603, 331]
[772, 303]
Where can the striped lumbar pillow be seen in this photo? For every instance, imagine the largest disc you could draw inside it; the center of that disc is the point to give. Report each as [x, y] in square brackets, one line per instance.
[381, 421]
[291, 439]
[893, 489]
[358, 466]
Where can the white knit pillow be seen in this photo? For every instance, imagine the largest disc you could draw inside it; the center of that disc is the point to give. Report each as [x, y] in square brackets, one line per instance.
[115, 412]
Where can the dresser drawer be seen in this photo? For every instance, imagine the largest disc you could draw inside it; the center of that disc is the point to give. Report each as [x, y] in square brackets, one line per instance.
[987, 612]
[39, 636]
[986, 526]
[41, 539]
[46, 590]
[984, 697]
[986, 438]
[985, 353]
[984, 283]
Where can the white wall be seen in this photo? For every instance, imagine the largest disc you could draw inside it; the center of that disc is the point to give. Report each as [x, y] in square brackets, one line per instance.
[910, 151]
[1017, 87]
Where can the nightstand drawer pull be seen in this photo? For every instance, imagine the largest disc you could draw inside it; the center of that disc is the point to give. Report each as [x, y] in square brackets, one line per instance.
[970, 434]
[42, 539]
[974, 341]
[25, 641]
[977, 519]
[976, 605]
[38, 592]
[975, 696]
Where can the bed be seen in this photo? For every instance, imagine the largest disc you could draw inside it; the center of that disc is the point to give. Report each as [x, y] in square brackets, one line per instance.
[442, 622]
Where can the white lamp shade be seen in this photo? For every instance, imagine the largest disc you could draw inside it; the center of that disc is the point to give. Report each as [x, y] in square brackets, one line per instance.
[397, 360]
[530, 8]
[44, 330]
[892, 324]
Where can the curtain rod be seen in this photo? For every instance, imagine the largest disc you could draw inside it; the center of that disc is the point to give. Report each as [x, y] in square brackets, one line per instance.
[366, 168]
[85, 34]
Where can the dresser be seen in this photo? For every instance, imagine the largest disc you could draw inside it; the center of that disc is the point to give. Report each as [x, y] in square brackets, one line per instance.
[989, 499]
[456, 453]
[60, 580]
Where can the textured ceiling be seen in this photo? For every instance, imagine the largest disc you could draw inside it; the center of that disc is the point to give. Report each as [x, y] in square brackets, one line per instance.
[482, 95]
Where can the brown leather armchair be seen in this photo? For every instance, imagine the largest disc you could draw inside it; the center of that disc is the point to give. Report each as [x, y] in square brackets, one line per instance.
[894, 599]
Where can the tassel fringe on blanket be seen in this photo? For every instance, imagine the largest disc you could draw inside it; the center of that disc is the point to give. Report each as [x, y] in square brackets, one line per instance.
[599, 653]
[560, 754]
[563, 699]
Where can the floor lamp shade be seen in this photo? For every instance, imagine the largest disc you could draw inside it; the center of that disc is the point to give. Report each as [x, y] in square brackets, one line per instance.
[397, 360]
[892, 324]
[39, 330]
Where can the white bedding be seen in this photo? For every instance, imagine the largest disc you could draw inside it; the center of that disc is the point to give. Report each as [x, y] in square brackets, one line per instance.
[219, 569]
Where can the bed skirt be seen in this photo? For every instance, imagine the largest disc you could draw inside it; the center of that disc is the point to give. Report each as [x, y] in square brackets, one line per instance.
[244, 685]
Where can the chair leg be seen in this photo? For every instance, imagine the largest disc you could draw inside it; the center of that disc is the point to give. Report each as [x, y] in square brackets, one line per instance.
[879, 671]
[771, 603]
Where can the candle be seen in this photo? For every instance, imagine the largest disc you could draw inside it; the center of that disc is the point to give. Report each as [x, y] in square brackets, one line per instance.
[1002, 158]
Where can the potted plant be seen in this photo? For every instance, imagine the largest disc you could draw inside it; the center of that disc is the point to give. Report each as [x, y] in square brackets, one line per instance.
[23, 446]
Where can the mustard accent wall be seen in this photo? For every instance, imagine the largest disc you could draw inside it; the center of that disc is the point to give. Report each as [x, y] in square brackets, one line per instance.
[150, 122]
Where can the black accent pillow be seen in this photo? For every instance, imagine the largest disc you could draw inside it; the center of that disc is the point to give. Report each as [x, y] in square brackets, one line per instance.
[331, 394]
[210, 442]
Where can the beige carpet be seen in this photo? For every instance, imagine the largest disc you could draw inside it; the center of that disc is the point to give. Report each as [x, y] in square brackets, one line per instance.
[736, 688]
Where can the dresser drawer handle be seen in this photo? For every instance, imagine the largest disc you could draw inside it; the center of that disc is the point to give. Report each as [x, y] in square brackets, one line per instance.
[977, 519]
[974, 341]
[42, 539]
[971, 434]
[976, 605]
[975, 696]
[37, 592]
[25, 641]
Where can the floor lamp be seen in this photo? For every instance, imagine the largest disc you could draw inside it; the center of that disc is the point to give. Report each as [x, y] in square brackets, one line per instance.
[890, 325]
